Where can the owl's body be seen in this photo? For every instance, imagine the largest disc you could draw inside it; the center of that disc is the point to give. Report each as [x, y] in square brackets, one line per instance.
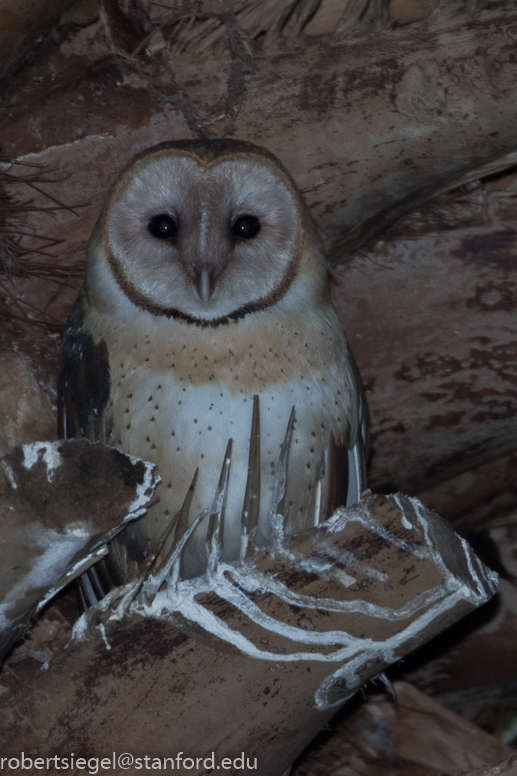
[173, 336]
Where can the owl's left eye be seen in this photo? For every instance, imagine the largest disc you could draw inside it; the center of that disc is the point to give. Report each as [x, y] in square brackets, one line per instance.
[246, 227]
[162, 226]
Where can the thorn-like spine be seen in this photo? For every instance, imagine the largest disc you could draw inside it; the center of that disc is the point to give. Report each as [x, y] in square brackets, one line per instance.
[381, 15]
[215, 531]
[390, 689]
[251, 505]
[352, 14]
[171, 569]
[279, 509]
[181, 518]
[177, 527]
[322, 487]
[318, 494]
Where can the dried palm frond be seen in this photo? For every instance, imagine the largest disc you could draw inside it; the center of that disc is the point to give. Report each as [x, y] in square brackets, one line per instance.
[24, 254]
[287, 633]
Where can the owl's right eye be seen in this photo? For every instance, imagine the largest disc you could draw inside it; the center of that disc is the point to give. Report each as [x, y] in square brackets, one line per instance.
[162, 226]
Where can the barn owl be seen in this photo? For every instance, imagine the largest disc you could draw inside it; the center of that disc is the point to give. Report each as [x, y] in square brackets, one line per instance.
[206, 285]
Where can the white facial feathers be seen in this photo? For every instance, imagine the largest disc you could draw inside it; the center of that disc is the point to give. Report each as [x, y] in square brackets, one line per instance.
[236, 228]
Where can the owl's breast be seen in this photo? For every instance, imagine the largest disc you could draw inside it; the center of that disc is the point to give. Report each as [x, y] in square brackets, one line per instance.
[178, 405]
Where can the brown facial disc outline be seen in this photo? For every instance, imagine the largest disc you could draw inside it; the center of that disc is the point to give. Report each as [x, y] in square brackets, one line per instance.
[207, 155]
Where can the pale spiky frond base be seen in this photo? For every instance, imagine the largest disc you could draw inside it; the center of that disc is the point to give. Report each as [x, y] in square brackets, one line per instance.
[161, 589]
[260, 651]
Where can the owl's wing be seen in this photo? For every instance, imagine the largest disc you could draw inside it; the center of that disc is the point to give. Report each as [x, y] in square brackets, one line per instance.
[343, 466]
[83, 392]
[83, 387]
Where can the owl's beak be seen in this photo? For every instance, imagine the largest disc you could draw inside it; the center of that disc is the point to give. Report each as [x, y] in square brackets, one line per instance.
[204, 283]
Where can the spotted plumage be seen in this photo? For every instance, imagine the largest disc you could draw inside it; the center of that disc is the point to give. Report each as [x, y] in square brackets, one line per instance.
[206, 285]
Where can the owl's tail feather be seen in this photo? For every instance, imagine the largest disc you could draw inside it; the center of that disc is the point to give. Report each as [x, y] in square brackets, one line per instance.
[94, 584]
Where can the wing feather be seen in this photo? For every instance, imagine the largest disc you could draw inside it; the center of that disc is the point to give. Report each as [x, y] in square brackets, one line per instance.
[83, 386]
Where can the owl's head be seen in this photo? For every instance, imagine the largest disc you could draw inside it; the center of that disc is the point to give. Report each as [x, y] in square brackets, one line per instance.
[207, 230]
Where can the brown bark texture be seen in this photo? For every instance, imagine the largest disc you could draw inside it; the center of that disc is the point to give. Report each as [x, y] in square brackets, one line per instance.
[377, 121]
[413, 736]
[507, 767]
[22, 24]
[25, 409]
[258, 654]
[60, 503]
[371, 121]
[369, 124]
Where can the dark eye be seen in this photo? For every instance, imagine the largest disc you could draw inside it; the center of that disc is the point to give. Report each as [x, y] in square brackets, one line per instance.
[163, 226]
[246, 227]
